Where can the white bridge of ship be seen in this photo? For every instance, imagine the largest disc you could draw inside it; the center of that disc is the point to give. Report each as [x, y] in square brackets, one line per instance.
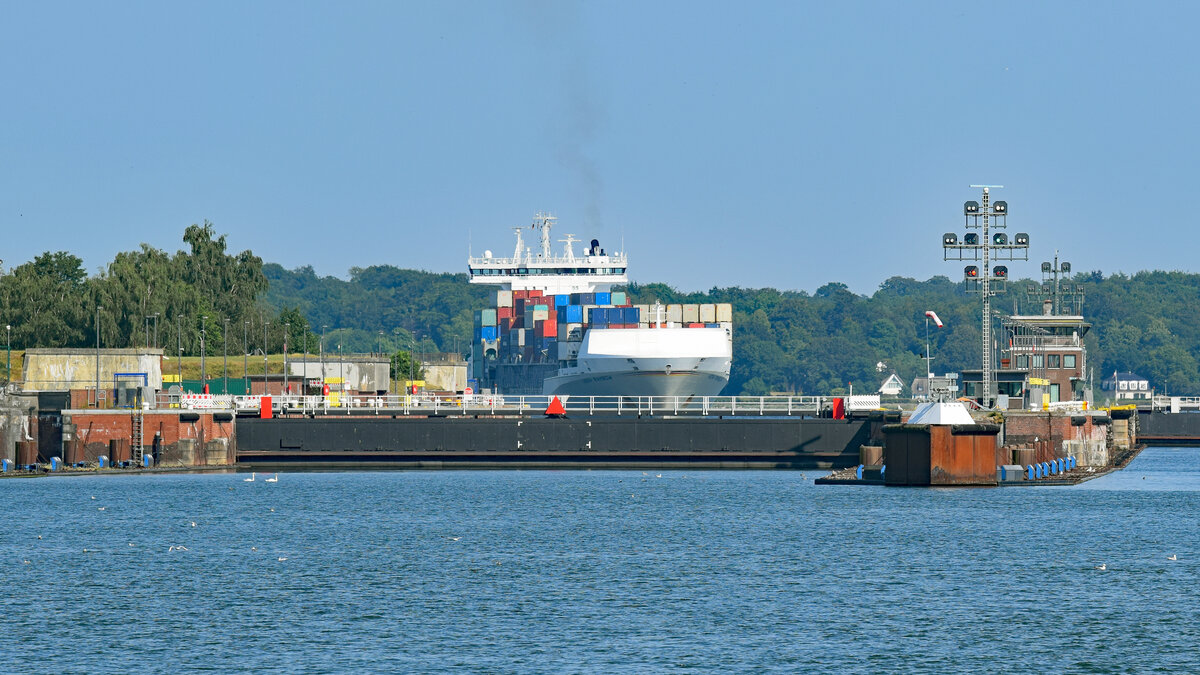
[479, 404]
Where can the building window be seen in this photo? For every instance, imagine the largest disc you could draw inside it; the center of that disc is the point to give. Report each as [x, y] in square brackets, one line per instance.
[1053, 361]
[1039, 361]
[1023, 362]
[1068, 360]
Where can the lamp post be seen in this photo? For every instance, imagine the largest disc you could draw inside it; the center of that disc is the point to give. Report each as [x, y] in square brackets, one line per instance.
[8, 371]
[98, 308]
[203, 373]
[225, 357]
[322, 344]
[287, 326]
[412, 356]
[246, 356]
[179, 343]
[265, 324]
[156, 330]
[304, 377]
[341, 370]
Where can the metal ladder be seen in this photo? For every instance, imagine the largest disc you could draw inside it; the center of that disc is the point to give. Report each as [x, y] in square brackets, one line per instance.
[138, 437]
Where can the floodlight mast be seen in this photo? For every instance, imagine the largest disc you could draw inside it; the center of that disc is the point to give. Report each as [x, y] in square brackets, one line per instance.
[982, 250]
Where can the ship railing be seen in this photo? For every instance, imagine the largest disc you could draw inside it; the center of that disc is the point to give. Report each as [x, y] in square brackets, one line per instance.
[498, 404]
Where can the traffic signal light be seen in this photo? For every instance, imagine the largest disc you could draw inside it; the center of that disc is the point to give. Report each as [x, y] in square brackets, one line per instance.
[970, 271]
[1000, 271]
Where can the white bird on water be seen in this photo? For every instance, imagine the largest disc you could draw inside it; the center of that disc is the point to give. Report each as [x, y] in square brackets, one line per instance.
[281, 559]
[1102, 566]
[250, 479]
[273, 479]
[1172, 557]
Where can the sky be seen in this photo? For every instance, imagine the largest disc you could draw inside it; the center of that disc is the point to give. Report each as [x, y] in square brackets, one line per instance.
[784, 144]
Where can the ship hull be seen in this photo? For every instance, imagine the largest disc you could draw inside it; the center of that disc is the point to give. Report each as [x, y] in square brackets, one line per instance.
[641, 383]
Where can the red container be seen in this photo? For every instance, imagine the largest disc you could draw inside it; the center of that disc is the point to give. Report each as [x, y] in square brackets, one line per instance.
[547, 328]
[534, 293]
[695, 325]
[520, 295]
[504, 312]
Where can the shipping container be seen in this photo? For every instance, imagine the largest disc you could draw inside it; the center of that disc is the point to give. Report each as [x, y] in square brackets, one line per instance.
[712, 325]
[574, 314]
[630, 315]
[519, 306]
[489, 333]
[541, 313]
[604, 298]
[620, 298]
[691, 313]
[504, 313]
[502, 298]
[708, 313]
[724, 312]
[520, 295]
[562, 300]
[488, 317]
[675, 313]
[534, 293]
[587, 299]
[547, 328]
[695, 325]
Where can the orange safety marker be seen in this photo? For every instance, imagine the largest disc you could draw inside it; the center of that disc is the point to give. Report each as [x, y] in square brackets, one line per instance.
[555, 409]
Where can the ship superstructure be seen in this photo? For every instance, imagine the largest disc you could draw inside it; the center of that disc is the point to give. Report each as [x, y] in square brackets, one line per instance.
[556, 327]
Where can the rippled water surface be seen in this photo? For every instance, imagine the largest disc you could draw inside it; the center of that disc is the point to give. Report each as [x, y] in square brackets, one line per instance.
[599, 571]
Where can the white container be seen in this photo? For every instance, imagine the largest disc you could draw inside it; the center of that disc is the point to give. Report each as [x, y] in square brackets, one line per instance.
[502, 298]
[724, 312]
[708, 313]
[675, 313]
[691, 314]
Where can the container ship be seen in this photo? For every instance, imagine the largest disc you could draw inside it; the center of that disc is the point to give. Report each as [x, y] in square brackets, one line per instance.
[555, 326]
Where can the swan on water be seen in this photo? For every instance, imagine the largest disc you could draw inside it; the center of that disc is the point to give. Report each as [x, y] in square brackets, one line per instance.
[1102, 566]
[1172, 557]
[273, 479]
[250, 479]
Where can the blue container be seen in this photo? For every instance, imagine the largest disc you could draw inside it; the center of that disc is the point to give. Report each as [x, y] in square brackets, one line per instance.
[604, 298]
[587, 298]
[562, 300]
[631, 315]
[102, 460]
[488, 333]
[574, 314]
[598, 316]
[1030, 472]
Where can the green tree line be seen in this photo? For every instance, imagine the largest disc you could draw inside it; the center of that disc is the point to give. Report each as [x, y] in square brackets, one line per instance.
[784, 341]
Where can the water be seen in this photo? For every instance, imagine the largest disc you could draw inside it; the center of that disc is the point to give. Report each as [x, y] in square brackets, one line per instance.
[598, 571]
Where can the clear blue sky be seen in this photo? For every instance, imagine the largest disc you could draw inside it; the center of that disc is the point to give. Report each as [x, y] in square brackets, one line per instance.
[785, 144]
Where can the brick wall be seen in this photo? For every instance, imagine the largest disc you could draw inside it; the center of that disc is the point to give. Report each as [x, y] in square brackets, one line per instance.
[199, 442]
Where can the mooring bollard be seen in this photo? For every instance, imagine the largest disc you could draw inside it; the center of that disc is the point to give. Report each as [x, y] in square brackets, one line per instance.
[4, 464]
[102, 461]
[55, 463]
[858, 472]
[147, 461]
